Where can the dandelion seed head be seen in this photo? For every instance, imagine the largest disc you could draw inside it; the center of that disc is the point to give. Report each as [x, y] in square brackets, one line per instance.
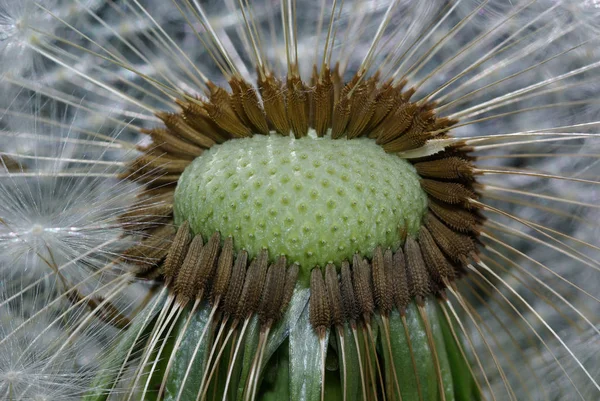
[518, 80]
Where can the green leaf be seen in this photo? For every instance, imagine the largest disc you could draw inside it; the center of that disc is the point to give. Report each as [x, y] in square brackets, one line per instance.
[166, 343]
[333, 386]
[465, 388]
[353, 381]
[280, 388]
[282, 328]
[279, 333]
[121, 352]
[305, 361]
[250, 345]
[184, 354]
[389, 365]
[440, 346]
[368, 344]
[421, 353]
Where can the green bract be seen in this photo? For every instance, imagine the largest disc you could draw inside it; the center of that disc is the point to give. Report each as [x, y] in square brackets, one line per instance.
[315, 200]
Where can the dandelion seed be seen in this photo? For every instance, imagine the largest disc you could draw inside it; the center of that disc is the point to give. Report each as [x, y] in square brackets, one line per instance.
[350, 201]
[61, 219]
[16, 34]
[40, 358]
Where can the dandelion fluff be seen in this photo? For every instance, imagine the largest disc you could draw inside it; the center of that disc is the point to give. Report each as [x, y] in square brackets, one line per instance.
[41, 356]
[60, 209]
[17, 18]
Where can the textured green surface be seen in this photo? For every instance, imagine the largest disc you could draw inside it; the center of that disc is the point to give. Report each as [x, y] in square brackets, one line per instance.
[315, 200]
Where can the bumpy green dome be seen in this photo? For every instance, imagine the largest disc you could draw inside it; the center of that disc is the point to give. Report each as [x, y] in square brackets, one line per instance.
[313, 199]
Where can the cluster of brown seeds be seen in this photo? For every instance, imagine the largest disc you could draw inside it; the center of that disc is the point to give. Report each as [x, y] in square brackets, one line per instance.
[361, 107]
[198, 270]
[389, 280]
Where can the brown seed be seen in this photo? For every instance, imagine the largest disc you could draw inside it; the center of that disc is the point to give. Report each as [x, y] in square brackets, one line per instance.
[417, 275]
[223, 273]
[440, 126]
[207, 262]
[236, 100]
[320, 315]
[406, 95]
[415, 136]
[246, 105]
[253, 109]
[291, 276]
[152, 249]
[333, 293]
[455, 217]
[196, 116]
[338, 84]
[177, 125]
[220, 111]
[185, 279]
[341, 111]
[236, 284]
[171, 144]
[449, 192]
[388, 263]
[455, 245]
[253, 287]
[362, 108]
[142, 217]
[272, 93]
[399, 281]
[157, 163]
[10, 164]
[177, 252]
[447, 168]
[386, 99]
[323, 99]
[150, 179]
[362, 287]
[156, 195]
[108, 313]
[380, 282]
[439, 268]
[350, 306]
[396, 123]
[297, 106]
[273, 292]
[341, 115]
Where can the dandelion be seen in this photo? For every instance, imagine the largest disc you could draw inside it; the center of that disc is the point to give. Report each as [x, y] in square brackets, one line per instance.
[337, 199]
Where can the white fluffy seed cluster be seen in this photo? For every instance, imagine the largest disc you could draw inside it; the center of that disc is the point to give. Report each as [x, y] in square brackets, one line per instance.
[315, 200]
